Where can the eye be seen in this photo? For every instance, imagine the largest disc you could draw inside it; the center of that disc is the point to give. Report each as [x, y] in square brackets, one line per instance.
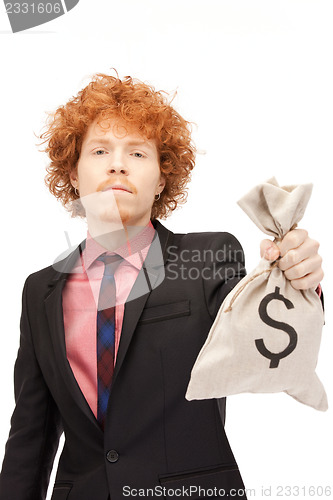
[99, 152]
[138, 155]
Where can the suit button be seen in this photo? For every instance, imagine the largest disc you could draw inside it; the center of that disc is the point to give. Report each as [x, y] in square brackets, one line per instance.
[112, 456]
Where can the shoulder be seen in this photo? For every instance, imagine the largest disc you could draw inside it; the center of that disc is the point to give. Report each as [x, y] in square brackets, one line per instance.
[205, 240]
[47, 276]
[206, 247]
[198, 241]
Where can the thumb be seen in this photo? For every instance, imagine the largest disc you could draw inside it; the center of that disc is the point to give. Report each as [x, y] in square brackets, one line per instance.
[269, 250]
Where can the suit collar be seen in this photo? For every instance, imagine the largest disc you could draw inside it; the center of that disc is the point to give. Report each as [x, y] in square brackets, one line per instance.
[62, 267]
[131, 250]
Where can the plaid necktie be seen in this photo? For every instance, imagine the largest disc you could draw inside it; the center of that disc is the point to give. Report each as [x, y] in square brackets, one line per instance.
[106, 334]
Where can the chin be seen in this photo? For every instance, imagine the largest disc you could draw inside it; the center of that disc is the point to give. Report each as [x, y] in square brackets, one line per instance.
[109, 216]
[113, 215]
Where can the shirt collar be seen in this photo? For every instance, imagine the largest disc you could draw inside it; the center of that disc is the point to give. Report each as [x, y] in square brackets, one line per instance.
[131, 251]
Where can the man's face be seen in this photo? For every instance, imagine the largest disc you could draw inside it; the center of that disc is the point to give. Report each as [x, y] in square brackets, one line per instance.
[117, 171]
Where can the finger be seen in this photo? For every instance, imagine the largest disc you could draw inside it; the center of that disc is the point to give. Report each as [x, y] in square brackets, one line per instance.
[269, 250]
[310, 281]
[293, 257]
[304, 268]
[264, 245]
[292, 240]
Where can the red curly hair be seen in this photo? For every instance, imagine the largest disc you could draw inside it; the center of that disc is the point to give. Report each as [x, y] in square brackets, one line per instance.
[140, 108]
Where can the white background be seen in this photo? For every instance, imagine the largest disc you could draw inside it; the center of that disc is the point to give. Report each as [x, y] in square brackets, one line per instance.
[256, 77]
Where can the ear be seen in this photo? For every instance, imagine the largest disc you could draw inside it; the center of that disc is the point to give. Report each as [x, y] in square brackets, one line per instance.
[162, 183]
[73, 177]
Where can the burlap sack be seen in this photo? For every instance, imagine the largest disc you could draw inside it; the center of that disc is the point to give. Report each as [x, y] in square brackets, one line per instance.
[266, 335]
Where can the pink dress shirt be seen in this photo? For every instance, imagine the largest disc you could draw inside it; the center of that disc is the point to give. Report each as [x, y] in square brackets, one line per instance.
[80, 299]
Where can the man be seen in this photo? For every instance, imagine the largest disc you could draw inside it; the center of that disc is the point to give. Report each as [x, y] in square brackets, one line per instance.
[109, 334]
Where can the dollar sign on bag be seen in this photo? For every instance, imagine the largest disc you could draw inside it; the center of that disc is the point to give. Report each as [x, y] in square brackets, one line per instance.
[275, 357]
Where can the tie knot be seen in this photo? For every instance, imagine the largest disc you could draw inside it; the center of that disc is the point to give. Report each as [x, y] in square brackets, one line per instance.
[111, 262]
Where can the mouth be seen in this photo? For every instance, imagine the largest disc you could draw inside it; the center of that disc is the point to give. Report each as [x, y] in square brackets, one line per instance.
[118, 188]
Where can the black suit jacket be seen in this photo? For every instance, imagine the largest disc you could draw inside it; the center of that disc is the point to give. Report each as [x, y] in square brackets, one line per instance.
[154, 438]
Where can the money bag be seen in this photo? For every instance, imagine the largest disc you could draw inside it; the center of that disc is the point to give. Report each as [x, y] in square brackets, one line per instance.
[266, 335]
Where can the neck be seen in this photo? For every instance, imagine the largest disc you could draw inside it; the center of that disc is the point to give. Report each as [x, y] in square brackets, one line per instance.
[112, 235]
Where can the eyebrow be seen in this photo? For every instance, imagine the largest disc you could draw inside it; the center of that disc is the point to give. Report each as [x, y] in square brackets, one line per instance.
[133, 142]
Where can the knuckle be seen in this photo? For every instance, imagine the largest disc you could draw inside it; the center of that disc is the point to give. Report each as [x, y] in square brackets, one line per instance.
[288, 275]
[303, 283]
[302, 233]
[315, 244]
[300, 271]
[294, 239]
[292, 257]
[297, 284]
[282, 264]
[316, 263]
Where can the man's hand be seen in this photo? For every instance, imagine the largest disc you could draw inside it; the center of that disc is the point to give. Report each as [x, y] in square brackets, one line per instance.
[300, 260]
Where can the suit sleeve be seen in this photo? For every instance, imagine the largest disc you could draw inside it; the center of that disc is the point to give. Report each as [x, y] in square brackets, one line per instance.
[35, 425]
[224, 268]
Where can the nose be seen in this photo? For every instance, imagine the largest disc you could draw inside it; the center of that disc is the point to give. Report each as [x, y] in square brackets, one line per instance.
[118, 170]
[117, 164]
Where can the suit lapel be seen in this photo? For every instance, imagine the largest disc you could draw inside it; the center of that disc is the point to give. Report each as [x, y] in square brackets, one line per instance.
[54, 313]
[150, 276]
